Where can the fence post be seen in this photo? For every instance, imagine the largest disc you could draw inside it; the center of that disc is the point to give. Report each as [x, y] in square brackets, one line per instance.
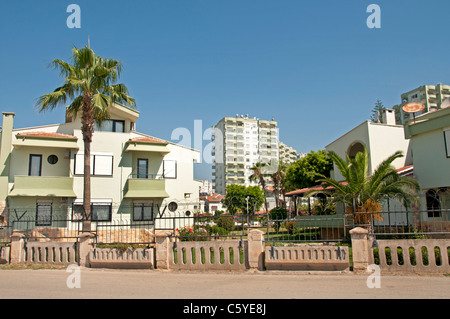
[256, 249]
[360, 249]
[162, 250]
[85, 241]
[17, 247]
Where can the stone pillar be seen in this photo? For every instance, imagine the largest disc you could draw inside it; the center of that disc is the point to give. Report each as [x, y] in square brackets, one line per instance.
[162, 250]
[360, 249]
[85, 241]
[256, 249]
[17, 245]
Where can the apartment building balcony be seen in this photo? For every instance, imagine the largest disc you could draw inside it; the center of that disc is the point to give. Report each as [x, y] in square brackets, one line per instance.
[46, 186]
[145, 186]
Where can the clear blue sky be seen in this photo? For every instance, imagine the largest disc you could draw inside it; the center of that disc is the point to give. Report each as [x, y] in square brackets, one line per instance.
[314, 66]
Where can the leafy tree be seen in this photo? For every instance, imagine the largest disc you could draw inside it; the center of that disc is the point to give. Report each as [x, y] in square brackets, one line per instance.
[303, 173]
[90, 87]
[377, 112]
[235, 198]
[363, 193]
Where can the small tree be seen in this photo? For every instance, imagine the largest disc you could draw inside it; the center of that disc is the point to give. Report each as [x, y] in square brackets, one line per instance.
[236, 195]
[377, 112]
[304, 172]
[363, 193]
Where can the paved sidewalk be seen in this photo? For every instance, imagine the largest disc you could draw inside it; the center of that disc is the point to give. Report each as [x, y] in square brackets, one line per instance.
[158, 284]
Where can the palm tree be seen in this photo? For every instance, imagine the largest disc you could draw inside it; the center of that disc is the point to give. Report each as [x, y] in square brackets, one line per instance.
[258, 176]
[363, 193]
[279, 182]
[90, 86]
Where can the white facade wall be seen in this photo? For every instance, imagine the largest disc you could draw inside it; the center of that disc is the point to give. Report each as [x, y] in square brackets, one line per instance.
[381, 141]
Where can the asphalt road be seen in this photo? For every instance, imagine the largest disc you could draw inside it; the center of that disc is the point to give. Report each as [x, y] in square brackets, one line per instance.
[158, 284]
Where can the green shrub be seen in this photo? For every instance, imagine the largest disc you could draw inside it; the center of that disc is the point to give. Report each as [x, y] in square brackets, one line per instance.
[226, 222]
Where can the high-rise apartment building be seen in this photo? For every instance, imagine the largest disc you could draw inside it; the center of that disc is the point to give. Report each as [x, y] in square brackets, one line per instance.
[432, 96]
[239, 143]
[288, 154]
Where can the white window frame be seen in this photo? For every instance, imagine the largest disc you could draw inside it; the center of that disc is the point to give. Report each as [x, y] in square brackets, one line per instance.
[170, 171]
[95, 170]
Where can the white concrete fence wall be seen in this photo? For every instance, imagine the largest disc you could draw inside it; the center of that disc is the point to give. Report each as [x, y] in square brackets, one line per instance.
[209, 255]
[363, 250]
[115, 258]
[307, 257]
[416, 255]
[227, 254]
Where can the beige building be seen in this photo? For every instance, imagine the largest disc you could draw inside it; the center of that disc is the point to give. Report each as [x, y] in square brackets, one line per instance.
[133, 176]
[432, 96]
[430, 143]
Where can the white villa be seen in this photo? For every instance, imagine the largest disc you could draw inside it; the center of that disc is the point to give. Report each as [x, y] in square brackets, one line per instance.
[134, 176]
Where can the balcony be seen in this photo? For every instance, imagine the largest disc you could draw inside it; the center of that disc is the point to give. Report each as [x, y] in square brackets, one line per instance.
[46, 186]
[145, 186]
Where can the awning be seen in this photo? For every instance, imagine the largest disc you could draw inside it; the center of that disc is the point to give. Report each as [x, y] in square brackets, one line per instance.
[136, 193]
[45, 139]
[40, 186]
[142, 147]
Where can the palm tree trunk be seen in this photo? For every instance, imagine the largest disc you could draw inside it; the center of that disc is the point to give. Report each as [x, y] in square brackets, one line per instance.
[87, 130]
[87, 187]
[263, 184]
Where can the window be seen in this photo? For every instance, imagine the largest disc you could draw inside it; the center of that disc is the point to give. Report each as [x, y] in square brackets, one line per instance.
[142, 211]
[173, 206]
[111, 126]
[43, 213]
[35, 165]
[77, 212]
[101, 164]
[170, 168]
[52, 159]
[142, 168]
[433, 203]
[101, 210]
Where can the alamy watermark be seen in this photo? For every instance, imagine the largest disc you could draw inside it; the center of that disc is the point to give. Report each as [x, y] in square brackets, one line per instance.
[374, 279]
[74, 279]
[374, 19]
[74, 19]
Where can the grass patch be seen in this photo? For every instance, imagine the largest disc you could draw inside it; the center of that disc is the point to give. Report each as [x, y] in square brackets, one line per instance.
[28, 266]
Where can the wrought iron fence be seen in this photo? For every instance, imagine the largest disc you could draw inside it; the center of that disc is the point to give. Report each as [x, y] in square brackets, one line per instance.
[45, 230]
[205, 226]
[125, 231]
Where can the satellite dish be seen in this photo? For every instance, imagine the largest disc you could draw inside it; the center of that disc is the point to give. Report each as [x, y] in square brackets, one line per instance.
[413, 107]
[446, 103]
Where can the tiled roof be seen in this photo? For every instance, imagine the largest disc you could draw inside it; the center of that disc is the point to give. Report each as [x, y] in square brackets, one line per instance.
[215, 197]
[45, 134]
[406, 170]
[148, 139]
